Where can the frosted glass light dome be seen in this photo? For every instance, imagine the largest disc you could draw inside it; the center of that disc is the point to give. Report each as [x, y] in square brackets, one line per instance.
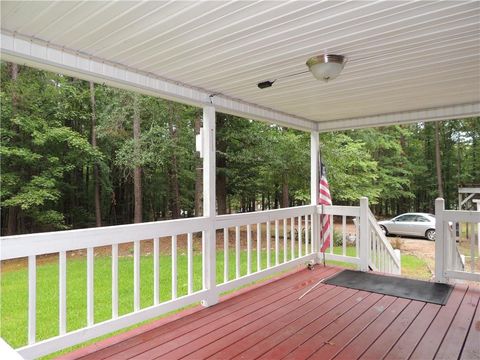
[326, 67]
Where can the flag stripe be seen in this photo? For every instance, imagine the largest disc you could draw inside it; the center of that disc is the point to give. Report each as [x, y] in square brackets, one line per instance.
[324, 198]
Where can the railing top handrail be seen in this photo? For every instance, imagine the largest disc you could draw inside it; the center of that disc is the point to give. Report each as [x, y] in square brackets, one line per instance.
[52, 242]
[17, 246]
[339, 210]
[461, 215]
[263, 216]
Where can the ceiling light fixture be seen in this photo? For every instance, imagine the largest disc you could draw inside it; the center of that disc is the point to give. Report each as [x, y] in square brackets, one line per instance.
[326, 66]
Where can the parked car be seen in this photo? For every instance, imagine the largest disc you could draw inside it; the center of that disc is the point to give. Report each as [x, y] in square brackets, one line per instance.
[411, 224]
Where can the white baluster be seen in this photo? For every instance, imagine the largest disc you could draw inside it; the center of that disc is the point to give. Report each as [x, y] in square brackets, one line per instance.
[259, 247]
[292, 237]
[174, 267]
[114, 281]
[156, 271]
[307, 251]
[249, 249]
[268, 244]
[277, 250]
[472, 248]
[237, 251]
[331, 234]
[90, 296]
[299, 236]
[225, 255]
[190, 263]
[32, 299]
[285, 247]
[136, 275]
[62, 292]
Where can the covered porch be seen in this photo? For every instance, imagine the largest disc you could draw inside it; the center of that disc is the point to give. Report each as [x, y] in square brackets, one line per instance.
[212, 55]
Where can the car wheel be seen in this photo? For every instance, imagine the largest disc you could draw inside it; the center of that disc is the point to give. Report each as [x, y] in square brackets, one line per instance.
[430, 234]
[384, 229]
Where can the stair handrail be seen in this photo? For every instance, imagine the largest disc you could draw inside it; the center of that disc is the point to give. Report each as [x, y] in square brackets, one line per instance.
[373, 223]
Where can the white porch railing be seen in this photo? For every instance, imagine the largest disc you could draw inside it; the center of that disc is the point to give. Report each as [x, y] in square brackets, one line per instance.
[449, 263]
[251, 246]
[375, 253]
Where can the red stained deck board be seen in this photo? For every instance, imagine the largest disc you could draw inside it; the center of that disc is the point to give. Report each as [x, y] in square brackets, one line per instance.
[337, 341]
[432, 339]
[322, 316]
[250, 342]
[224, 325]
[471, 349]
[330, 322]
[368, 335]
[320, 331]
[385, 341]
[244, 326]
[211, 314]
[414, 333]
[457, 333]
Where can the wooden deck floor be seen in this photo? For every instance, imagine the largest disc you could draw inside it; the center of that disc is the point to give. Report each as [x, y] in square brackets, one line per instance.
[331, 322]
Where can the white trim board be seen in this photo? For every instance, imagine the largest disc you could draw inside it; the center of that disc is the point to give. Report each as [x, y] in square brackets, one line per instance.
[437, 114]
[38, 54]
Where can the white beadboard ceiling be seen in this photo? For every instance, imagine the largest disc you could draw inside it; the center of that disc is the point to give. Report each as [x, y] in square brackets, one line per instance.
[404, 56]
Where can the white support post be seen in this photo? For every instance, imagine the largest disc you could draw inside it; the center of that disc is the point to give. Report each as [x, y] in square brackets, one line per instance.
[209, 208]
[364, 235]
[314, 191]
[440, 242]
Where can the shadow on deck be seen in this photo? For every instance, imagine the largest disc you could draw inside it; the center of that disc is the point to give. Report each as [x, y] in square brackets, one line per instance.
[269, 322]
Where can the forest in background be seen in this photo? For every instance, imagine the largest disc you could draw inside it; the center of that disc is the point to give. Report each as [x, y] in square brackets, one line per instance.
[75, 154]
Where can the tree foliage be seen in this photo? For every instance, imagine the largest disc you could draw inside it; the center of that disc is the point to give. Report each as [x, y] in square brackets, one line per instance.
[48, 161]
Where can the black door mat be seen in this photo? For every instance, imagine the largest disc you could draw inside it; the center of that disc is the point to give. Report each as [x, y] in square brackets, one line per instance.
[430, 292]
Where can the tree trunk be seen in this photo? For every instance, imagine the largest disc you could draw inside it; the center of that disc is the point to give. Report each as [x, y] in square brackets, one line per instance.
[198, 173]
[285, 199]
[137, 174]
[438, 160]
[13, 210]
[96, 175]
[175, 187]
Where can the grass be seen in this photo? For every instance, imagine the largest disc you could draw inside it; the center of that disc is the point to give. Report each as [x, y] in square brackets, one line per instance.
[412, 266]
[415, 267]
[14, 288]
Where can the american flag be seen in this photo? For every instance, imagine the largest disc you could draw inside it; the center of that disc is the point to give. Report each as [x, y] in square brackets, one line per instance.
[324, 198]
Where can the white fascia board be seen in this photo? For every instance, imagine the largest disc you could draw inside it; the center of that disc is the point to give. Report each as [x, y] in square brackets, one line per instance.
[442, 113]
[40, 54]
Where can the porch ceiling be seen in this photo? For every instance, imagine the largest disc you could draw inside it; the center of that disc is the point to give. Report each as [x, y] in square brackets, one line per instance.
[405, 57]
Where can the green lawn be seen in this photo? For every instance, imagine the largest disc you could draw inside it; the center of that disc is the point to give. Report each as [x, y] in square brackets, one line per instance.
[14, 290]
[14, 286]
[412, 266]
